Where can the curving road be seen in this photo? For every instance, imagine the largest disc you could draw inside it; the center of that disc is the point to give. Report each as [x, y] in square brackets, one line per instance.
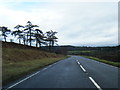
[73, 72]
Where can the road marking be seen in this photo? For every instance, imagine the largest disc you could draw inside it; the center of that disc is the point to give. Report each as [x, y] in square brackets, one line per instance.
[49, 65]
[44, 68]
[82, 68]
[25, 79]
[78, 62]
[22, 80]
[98, 87]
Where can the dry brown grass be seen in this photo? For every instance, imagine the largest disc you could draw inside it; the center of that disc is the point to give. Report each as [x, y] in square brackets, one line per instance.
[18, 62]
[17, 55]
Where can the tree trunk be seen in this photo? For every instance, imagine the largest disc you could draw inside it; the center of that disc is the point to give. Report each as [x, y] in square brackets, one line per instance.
[40, 45]
[36, 43]
[30, 36]
[27, 39]
[5, 38]
[24, 41]
[19, 41]
[52, 43]
[36, 40]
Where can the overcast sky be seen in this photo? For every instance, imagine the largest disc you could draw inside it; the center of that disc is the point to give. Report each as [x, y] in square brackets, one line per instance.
[77, 23]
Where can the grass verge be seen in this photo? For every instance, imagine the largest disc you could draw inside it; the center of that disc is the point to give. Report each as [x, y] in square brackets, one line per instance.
[117, 64]
[15, 70]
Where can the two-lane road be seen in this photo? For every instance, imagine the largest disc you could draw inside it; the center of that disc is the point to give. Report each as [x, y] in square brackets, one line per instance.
[73, 72]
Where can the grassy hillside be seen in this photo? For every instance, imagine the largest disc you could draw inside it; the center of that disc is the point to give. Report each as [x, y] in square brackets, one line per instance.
[19, 60]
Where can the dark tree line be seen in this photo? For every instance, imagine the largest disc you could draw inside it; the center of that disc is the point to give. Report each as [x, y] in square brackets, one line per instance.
[30, 33]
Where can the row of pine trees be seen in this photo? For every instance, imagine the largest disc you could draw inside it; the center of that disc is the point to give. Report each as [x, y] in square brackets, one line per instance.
[30, 33]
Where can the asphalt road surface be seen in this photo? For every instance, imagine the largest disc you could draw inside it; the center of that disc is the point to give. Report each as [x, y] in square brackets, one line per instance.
[73, 72]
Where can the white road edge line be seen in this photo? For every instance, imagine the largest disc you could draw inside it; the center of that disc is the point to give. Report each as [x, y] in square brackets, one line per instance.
[44, 68]
[49, 65]
[22, 80]
[82, 68]
[98, 87]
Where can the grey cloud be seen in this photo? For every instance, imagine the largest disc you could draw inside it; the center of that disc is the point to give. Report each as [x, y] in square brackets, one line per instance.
[77, 23]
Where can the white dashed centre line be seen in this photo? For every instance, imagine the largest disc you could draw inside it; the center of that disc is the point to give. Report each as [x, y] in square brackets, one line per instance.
[82, 68]
[98, 87]
[78, 62]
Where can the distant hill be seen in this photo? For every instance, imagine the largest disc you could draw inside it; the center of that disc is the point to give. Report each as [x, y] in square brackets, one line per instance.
[82, 48]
